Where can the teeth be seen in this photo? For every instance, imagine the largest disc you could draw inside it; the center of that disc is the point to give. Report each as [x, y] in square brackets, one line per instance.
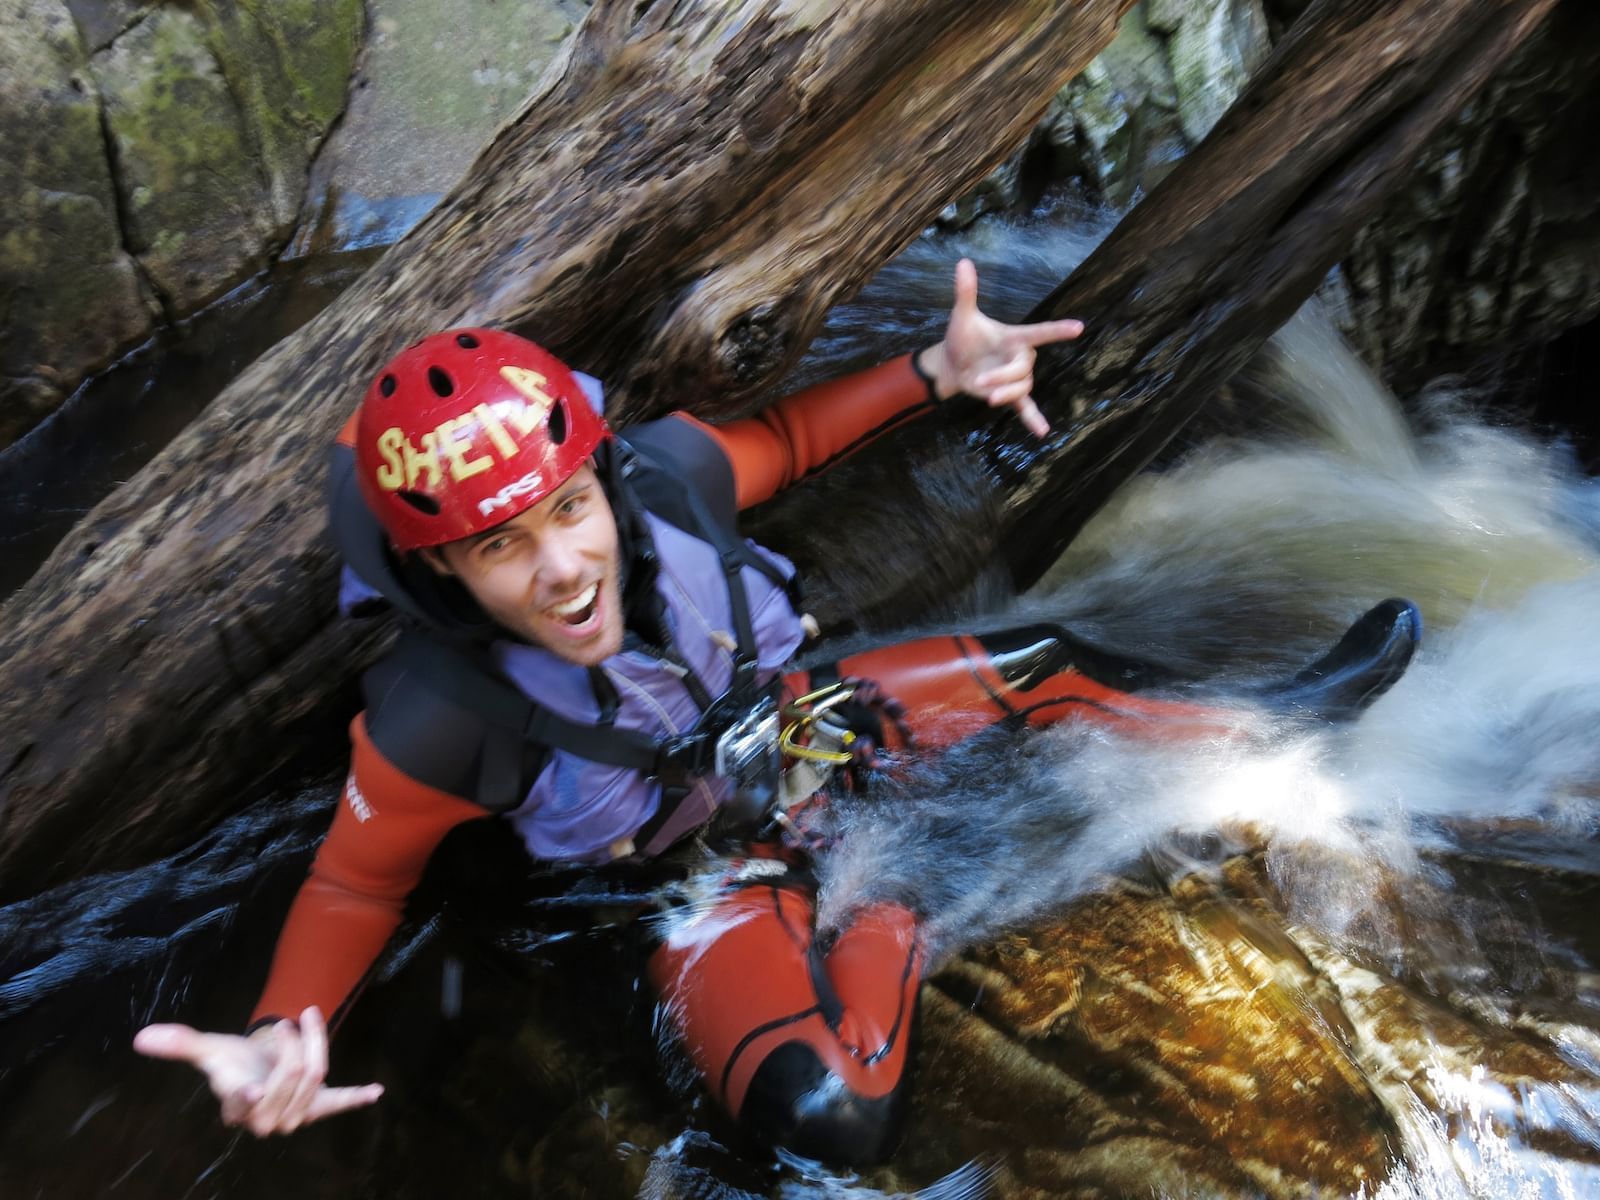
[578, 603]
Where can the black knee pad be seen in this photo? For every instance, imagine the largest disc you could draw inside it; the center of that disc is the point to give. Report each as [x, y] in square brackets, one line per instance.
[797, 1103]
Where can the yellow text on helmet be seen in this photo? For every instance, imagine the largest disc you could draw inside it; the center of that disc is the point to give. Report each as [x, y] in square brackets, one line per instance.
[404, 464]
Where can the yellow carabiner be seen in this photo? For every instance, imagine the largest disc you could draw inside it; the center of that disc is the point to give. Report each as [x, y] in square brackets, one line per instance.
[794, 749]
[836, 693]
[805, 710]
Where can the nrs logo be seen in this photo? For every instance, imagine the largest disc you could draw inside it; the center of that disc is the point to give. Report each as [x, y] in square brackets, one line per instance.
[358, 802]
[531, 482]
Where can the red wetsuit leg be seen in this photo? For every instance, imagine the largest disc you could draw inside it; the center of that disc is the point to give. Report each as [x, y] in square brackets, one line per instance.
[808, 1049]
[955, 686]
[805, 1045]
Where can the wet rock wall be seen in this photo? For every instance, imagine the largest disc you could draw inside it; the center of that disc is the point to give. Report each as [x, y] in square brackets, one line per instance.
[155, 154]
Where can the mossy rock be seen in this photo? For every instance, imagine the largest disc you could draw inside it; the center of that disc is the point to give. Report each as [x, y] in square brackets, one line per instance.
[154, 155]
[198, 211]
[1215, 47]
[69, 294]
[101, 22]
[290, 63]
[1494, 244]
[216, 111]
[437, 78]
[1119, 119]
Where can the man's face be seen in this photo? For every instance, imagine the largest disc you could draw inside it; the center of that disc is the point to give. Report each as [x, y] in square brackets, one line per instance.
[551, 573]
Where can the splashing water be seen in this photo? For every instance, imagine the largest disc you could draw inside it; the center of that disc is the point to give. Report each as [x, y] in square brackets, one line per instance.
[1247, 559]
[687, 1169]
[1258, 552]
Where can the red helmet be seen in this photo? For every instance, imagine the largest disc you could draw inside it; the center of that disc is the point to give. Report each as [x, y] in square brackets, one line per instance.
[466, 429]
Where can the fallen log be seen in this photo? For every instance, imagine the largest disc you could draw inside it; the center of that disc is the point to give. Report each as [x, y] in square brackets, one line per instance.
[694, 186]
[1187, 287]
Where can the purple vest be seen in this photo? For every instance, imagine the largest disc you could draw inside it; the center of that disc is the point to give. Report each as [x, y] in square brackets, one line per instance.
[576, 810]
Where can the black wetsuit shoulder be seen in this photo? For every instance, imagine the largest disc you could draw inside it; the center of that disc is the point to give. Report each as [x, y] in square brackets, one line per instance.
[674, 454]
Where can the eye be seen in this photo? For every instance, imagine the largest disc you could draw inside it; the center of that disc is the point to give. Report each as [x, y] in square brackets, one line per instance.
[572, 505]
[494, 545]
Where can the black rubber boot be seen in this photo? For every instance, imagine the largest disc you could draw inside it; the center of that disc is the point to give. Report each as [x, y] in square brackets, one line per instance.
[1368, 660]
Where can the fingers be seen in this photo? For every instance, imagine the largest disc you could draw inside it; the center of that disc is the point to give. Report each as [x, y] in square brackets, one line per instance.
[1049, 331]
[1010, 385]
[267, 1084]
[182, 1043]
[342, 1099]
[267, 1115]
[236, 1105]
[233, 1067]
[1032, 419]
[966, 287]
[313, 1069]
[1009, 394]
[1019, 367]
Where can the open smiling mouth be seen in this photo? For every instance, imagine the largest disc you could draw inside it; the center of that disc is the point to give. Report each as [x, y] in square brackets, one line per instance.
[577, 611]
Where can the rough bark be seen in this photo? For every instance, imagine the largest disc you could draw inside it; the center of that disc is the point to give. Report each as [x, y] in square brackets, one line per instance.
[1177, 299]
[1493, 246]
[695, 185]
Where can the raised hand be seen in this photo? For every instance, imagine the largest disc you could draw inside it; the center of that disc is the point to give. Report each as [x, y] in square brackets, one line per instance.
[269, 1082]
[990, 359]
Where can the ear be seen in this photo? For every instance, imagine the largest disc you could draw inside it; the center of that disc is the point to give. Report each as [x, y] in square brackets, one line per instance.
[434, 557]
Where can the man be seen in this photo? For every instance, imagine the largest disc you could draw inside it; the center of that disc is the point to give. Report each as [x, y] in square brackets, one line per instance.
[595, 654]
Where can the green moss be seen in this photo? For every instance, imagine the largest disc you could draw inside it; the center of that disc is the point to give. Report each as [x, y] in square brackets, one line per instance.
[317, 42]
[289, 72]
[1124, 106]
[69, 297]
[195, 196]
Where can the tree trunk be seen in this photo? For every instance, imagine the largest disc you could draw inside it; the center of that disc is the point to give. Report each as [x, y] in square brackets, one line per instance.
[694, 186]
[1176, 300]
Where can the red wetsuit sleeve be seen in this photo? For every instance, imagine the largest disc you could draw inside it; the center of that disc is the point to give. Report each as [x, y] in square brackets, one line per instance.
[812, 429]
[384, 830]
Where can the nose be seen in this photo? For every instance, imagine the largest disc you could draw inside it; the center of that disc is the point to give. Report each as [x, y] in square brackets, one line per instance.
[559, 565]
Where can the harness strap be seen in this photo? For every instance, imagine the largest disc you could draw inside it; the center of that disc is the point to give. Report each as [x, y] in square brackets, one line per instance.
[735, 553]
[456, 674]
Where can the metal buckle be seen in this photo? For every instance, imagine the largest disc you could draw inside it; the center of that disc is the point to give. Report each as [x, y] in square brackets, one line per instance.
[684, 756]
[749, 745]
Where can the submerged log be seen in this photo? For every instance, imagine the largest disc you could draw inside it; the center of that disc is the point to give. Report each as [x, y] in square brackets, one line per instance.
[1187, 287]
[697, 179]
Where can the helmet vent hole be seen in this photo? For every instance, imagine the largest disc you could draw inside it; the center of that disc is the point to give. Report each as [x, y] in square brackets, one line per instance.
[440, 381]
[557, 428]
[387, 385]
[422, 502]
[466, 341]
